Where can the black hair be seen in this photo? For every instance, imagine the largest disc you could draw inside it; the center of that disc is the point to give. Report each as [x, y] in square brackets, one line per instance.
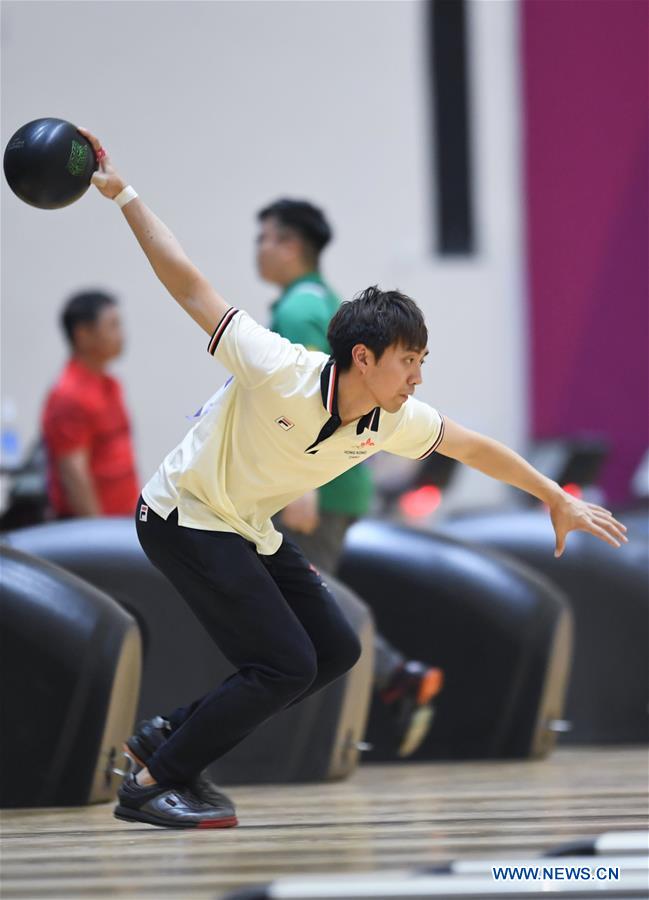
[377, 319]
[83, 309]
[303, 218]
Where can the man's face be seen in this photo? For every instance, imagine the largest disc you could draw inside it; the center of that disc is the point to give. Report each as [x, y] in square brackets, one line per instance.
[395, 376]
[277, 250]
[103, 339]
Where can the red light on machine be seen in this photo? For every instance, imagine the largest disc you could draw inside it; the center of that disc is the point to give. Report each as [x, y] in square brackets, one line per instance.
[421, 502]
[574, 490]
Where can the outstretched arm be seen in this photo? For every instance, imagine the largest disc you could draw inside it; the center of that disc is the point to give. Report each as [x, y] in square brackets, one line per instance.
[494, 459]
[186, 284]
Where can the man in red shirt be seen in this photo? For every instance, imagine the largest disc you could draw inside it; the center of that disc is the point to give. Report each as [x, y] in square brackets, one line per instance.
[91, 464]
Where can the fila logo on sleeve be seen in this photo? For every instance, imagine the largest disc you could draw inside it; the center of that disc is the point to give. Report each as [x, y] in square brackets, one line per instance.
[144, 512]
[285, 423]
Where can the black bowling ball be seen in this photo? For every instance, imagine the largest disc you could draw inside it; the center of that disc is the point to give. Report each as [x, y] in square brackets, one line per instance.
[48, 163]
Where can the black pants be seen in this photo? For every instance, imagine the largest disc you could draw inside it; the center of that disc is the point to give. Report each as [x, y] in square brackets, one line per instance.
[272, 617]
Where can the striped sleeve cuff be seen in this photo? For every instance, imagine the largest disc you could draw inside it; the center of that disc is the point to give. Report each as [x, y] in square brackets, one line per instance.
[219, 330]
[438, 441]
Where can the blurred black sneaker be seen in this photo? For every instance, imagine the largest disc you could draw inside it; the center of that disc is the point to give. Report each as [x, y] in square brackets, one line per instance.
[169, 807]
[409, 696]
[143, 743]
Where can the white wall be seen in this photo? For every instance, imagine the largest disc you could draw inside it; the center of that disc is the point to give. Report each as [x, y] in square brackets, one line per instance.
[212, 109]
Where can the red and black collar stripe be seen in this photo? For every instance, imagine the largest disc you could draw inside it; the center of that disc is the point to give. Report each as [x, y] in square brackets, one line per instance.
[329, 386]
[329, 394]
[329, 391]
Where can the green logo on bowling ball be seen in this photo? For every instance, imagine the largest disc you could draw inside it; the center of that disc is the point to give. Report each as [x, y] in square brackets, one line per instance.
[78, 156]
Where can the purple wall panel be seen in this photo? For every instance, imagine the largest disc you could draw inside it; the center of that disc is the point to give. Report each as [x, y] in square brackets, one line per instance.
[587, 181]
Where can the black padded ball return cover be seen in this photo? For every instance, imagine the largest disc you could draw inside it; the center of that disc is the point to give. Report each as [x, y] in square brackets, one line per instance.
[70, 672]
[607, 589]
[501, 633]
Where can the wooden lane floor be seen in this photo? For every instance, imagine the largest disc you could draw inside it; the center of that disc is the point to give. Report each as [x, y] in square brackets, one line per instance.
[384, 817]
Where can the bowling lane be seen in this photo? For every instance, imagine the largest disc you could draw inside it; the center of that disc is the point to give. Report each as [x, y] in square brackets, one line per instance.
[384, 817]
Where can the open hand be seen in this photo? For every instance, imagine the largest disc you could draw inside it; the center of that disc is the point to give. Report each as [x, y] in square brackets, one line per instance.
[570, 514]
[106, 179]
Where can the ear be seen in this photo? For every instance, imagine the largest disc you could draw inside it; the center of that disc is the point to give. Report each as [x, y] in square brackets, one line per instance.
[293, 247]
[82, 334]
[362, 357]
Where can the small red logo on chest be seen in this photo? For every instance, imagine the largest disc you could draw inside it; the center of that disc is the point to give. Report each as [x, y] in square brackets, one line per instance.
[368, 443]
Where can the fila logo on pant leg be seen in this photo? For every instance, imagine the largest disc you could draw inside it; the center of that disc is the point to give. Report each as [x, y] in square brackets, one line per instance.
[144, 512]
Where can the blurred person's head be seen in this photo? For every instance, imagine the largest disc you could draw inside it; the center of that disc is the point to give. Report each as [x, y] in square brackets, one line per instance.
[381, 337]
[93, 327]
[292, 235]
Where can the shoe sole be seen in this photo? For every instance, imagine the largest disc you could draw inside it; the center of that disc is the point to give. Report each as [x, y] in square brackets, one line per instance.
[417, 730]
[126, 814]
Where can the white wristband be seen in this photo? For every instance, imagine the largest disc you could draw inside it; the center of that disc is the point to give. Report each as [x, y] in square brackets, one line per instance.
[129, 193]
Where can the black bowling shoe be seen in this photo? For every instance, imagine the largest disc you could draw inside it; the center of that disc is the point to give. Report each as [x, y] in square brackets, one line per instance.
[169, 807]
[151, 734]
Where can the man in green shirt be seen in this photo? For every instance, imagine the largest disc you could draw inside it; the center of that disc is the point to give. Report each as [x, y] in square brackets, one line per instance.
[292, 235]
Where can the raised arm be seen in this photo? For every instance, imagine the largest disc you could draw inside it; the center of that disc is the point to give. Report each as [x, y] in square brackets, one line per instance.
[494, 459]
[186, 284]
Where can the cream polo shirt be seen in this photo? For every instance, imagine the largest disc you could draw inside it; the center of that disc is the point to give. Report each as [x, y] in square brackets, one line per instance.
[271, 434]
